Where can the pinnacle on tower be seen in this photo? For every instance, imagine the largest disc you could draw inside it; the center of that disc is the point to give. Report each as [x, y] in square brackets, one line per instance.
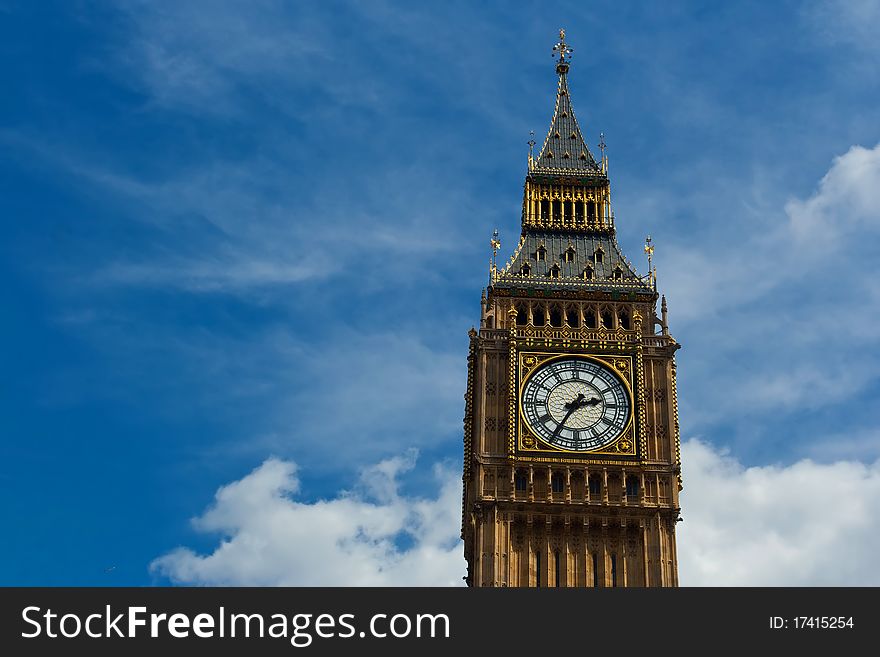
[564, 149]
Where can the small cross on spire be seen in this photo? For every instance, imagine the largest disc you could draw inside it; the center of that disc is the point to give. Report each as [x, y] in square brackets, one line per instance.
[563, 51]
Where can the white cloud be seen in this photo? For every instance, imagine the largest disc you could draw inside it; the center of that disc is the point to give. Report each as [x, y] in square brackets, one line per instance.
[805, 524]
[846, 205]
[354, 539]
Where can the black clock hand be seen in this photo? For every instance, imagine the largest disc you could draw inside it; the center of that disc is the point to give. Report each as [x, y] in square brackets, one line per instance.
[572, 406]
[576, 402]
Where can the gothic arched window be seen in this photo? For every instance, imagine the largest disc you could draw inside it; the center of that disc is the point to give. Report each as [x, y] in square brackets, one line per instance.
[590, 319]
[632, 488]
[538, 316]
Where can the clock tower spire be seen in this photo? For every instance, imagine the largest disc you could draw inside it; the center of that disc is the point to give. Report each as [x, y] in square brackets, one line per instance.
[571, 435]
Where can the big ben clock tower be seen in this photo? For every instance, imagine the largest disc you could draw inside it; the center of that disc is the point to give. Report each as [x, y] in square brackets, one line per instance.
[571, 436]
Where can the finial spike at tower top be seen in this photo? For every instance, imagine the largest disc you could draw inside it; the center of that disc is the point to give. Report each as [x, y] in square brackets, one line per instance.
[563, 51]
[652, 271]
[664, 317]
[531, 148]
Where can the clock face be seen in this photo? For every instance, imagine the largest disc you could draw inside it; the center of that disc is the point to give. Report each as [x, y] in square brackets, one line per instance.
[575, 404]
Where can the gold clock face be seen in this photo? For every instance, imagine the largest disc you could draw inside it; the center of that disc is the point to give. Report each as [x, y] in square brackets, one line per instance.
[576, 404]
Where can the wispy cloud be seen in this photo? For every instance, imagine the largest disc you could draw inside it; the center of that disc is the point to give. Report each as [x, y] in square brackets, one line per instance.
[781, 308]
[353, 397]
[185, 62]
[853, 22]
[335, 400]
[764, 249]
[858, 445]
[272, 54]
[285, 166]
[238, 226]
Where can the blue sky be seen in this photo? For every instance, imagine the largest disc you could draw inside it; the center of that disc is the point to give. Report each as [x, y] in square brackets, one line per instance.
[251, 238]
